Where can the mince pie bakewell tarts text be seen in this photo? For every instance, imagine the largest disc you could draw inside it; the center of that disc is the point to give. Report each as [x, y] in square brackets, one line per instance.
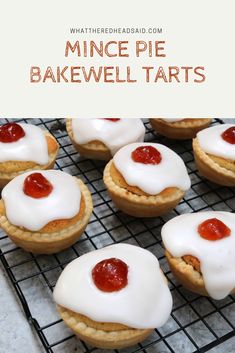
[200, 249]
[214, 152]
[113, 297]
[101, 138]
[146, 179]
[179, 128]
[45, 211]
[24, 147]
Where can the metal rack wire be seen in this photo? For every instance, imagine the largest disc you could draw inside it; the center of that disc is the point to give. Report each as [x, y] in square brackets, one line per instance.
[197, 323]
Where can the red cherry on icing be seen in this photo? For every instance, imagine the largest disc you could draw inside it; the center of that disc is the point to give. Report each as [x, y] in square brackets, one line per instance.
[37, 186]
[229, 135]
[213, 229]
[114, 120]
[11, 132]
[146, 155]
[110, 275]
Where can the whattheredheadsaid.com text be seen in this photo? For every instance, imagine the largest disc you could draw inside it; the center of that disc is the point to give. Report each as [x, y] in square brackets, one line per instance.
[116, 30]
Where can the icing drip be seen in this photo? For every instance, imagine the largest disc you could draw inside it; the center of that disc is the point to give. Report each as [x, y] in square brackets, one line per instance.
[217, 258]
[152, 179]
[25, 149]
[172, 120]
[211, 141]
[145, 302]
[33, 214]
[113, 134]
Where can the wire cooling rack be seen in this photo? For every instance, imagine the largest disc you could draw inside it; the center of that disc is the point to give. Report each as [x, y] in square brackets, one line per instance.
[196, 323]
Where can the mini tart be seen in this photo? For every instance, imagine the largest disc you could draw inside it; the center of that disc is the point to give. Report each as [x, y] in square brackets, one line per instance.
[200, 251]
[10, 169]
[186, 270]
[180, 130]
[112, 300]
[100, 334]
[92, 150]
[56, 235]
[216, 169]
[135, 202]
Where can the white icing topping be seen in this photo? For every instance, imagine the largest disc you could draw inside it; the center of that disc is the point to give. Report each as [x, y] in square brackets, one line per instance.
[210, 141]
[145, 302]
[152, 179]
[172, 120]
[33, 214]
[113, 134]
[30, 148]
[217, 258]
